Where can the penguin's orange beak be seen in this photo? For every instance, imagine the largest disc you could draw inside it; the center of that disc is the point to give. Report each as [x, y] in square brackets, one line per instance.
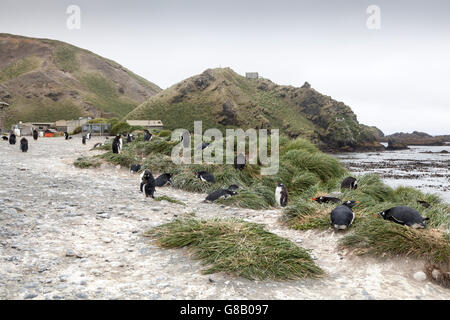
[314, 199]
[357, 202]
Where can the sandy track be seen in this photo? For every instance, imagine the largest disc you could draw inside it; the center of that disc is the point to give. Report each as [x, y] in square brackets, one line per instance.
[67, 233]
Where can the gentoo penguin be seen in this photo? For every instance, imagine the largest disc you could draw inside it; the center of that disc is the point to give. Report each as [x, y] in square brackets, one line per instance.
[117, 144]
[148, 184]
[325, 199]
[148, 136]
[88, 135]
[405, 216]
[35, 134]
[342, 216]
[24, 145]
[203, 146]
[5, 138]
[239, 161]
[281, 195]
[129, 140]
[424, 203]
[233, 187]
[135, 168]
[220, 194]
[83, 139]
[163, 179]
[66, 135]
[349, 183]
[12, 138]
[205, 176]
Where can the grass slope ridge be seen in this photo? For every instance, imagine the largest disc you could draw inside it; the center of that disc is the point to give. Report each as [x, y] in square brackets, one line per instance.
[237, 247]
[222, 98]
[48, 80]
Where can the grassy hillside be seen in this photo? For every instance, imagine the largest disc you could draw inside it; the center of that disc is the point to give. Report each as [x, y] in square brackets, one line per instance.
[48, 80]
[221, 98]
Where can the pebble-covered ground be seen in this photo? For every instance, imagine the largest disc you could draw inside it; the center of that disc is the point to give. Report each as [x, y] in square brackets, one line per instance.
[68, 233]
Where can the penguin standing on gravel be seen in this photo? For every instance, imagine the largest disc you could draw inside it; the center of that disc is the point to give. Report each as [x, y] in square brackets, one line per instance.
[83, 140]
[342, 216]
[12, 138]
[281, 195]
[349, 183]
[405, 216]
[147, 184]
[117, 144]
[35, 134]
[24, 145]
[88, 135]
[66, 135]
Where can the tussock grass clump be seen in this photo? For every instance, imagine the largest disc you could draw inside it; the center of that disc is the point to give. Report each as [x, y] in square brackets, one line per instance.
[84, 162]
[169, 199]
[237, 247]
[379, 237]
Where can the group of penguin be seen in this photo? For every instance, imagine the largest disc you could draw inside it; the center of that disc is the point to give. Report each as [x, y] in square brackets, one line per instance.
[12, 139]
[148, 183]
[342, 216]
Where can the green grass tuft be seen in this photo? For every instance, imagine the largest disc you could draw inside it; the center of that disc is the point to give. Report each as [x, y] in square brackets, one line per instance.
[238, 248]
[380, 237]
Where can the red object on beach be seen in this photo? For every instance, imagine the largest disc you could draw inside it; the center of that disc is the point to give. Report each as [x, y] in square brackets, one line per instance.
[49, 134]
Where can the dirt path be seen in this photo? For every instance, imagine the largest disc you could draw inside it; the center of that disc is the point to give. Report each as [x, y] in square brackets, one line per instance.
[67, 233]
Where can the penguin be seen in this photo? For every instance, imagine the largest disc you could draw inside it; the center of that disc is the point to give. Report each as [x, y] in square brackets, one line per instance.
[163, 179]
[117, 144]
[66, 135]
[148, 136]
[186, 139]
[240, 162]
[148, 184]
[405, 216]
[342, 216]
[35, 134]
[12, 138]
[98, 145]
[129, 139]
[203, 146]
[88, 135]
[349, 183]
[281, 195]
[5, 138]
[424, 203]
[205, 176]
[325, 199]
[233, 187]
[220, 194]
[135, 168]
[24, 145]
[83, 139]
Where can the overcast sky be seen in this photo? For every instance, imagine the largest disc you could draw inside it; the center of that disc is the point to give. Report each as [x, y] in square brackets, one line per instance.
[396, 77]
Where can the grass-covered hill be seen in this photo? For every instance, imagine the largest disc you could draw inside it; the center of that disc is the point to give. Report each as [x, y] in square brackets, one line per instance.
[48, 80]
[222, 98]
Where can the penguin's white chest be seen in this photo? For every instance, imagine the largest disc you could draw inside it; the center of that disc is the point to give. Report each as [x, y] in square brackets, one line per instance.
[278, 195]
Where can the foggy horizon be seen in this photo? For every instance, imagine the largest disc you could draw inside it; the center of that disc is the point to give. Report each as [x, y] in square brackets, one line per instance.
[394, 78]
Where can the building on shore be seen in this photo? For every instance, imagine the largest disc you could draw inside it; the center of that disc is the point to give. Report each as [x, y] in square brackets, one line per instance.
[148, 124]
[70, 125]
[26, 128]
